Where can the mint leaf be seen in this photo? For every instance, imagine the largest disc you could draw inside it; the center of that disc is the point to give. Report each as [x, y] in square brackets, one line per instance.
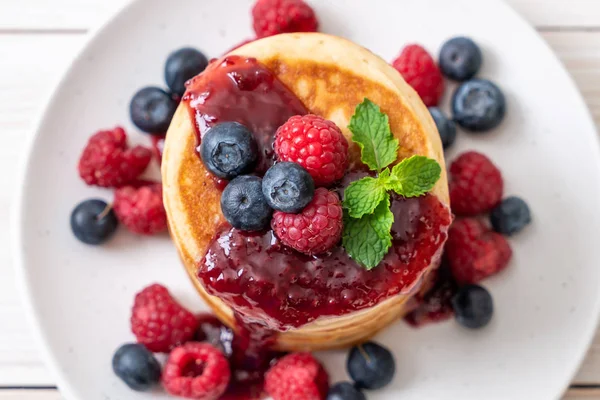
[414, 176]
[368, 239]
[371, 131]
[363, 196]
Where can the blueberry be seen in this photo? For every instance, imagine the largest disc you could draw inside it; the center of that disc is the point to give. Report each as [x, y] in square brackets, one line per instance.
[460, 59]
[244, 205]
[288, 187]
[136, 366]
[510, 216]
[229, 149]
[182, 65]
[445, 126]
[152, 110]
[478, 105]
[371, 366]
[345, 391]
[93, 221]
[473, 306]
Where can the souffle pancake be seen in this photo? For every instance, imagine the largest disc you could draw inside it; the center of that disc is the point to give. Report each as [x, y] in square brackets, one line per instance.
[308, 302]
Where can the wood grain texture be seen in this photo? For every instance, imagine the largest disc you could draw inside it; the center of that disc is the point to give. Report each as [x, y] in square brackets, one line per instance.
[40, 38]
[76, 15]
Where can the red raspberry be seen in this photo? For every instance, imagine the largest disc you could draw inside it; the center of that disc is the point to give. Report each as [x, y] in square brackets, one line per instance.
[475, 184]
[475, 252]
[297, 376]
[141, 209]
[196, 371]
[420, 71]
[106, 161]
[316, 229]
[159, 322]
[315, 143]
[271, 17]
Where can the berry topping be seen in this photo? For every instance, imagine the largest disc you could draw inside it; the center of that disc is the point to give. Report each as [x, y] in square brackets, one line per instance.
[211, 330]
[473, 306]
[460, 59]
[475, 252]
[445, 127]
[182, 65]
[316, 229]
[93, 221]
[288, 187]
[420, 71]
[510, 216]
[151, 110]
[475, 184]
[196, 371]
[159, 322]
[315, 143]
[228, 149]
[107, 161]
[371, 366]
[244, 205]
[136, 366]
[478, 105]
[271, 17]
[141, 209]
[297, 376]
[345, 391]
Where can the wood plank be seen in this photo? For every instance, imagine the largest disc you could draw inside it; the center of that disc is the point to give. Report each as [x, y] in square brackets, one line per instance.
[81, 15]
[26, 82]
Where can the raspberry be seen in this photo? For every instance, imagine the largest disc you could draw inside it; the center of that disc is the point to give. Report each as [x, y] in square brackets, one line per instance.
[314, 230]
[475, 184]
[420, 71]
[475, 252]
[315, 143]
[271, 17]
[196, 371]
[159, 322]
[141, 209]
[297, 376]
[106, 161]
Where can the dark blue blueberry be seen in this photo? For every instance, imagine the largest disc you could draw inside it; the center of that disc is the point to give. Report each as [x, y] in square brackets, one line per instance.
[181, 66]
[93, 221]
[244, 205]
[510, 216]
[445, 126]
[152, 109]
[345, 391]
[136, 366]
[473, 306]
[288, 187]
[478, 105]
[229, 149]
[371, 366]
[460, 59]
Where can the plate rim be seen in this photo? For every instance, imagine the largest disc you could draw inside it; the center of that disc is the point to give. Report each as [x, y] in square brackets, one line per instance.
[25, 164]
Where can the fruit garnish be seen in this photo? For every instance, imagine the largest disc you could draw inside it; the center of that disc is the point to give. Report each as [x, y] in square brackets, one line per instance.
[93, 221]
[140, 209]
[288, 187]
[271, 17]
[244, 205]
[371, 366]
[136, 366]
[460, 58]
[297, 376]
[510, 216]
[478, 105]
[151, 110]
[181, 66]
[445, 126]
[473, 306]
[419, 70]
[367, 218]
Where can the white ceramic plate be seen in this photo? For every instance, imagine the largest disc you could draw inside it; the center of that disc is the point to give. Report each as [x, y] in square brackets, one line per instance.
[547, 302]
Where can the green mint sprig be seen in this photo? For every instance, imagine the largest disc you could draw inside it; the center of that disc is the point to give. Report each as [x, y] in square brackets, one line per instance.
[367, 217]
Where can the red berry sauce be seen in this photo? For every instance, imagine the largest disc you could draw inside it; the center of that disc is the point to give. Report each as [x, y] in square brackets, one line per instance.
[241, 89]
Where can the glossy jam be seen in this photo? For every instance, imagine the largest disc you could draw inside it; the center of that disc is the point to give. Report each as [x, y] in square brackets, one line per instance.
[247, 351]
[268, 282]
[241, 89]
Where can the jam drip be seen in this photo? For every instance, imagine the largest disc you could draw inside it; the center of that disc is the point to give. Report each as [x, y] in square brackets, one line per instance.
[241, 89]
[265, 281]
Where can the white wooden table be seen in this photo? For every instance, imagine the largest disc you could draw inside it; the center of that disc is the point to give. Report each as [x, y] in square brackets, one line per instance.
[39, 38]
